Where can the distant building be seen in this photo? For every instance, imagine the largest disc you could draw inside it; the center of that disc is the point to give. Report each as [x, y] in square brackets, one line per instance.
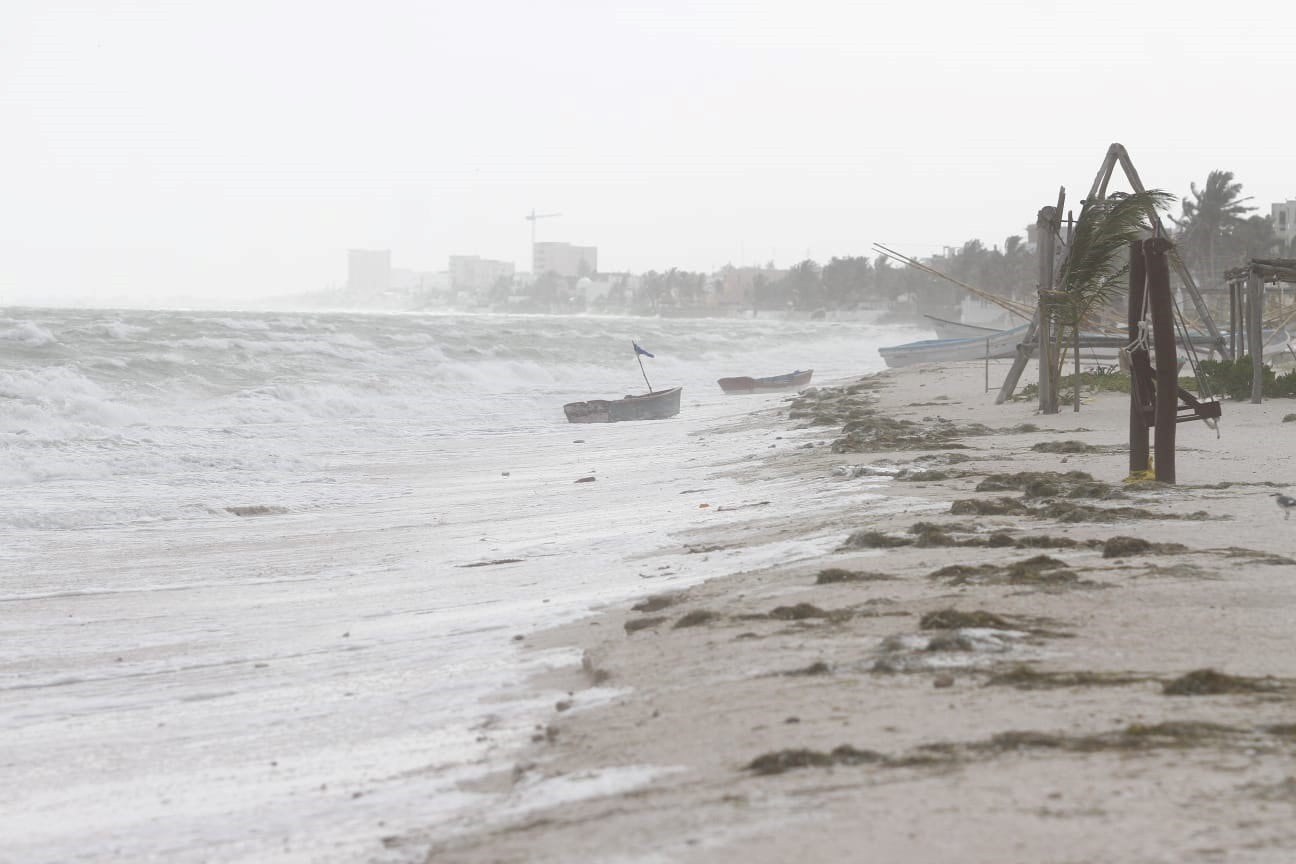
[473, 275]
[564, 259]
[1284, 223]
[369, 272]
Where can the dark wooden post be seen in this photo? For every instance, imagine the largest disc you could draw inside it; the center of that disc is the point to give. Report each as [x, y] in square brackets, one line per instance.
[1235, 320]
[1045, 248]
[1167, 362]
[1138, 428]
[1255, 297]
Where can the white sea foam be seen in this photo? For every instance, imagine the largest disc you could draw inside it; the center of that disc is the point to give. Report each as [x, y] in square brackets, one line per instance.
[24, 332]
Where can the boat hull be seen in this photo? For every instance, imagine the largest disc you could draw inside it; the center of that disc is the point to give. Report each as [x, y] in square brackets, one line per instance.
[995, 345]
[657, 405]
[744, 385]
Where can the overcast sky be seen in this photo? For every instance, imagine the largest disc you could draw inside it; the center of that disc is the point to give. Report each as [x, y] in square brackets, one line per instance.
[231, 149]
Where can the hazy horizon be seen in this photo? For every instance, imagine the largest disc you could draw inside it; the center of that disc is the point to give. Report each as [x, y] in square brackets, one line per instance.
[236, 151]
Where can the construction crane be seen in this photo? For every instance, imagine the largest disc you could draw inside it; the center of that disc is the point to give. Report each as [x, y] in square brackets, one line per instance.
[532, 217]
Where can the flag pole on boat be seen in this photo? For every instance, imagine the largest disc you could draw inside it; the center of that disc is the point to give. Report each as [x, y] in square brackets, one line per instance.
[639, 355]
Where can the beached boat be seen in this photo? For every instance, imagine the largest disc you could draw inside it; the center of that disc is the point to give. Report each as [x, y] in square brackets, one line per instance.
[656, 405]
[995, 344]
[773, 383]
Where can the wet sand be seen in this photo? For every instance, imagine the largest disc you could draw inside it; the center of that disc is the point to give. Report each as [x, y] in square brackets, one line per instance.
[1002, 662]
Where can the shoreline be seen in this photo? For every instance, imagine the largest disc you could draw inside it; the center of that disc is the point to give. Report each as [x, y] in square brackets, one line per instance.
[837, 704]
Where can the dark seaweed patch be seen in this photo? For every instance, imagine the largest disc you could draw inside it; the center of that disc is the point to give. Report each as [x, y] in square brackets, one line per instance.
[1124, 547]
[834, 575]
[656, 603]
[636, 624]
[1255, 556]
[1208, 682]
[953, 619]
[988, 507]
[798, 612]
[1026, 677]
[1064, 447]
[696, 618]
[1020, 480]
[869, 539]
[786, 760]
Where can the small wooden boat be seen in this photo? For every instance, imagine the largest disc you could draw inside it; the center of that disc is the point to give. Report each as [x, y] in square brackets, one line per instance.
[791, 380]
[656, 405]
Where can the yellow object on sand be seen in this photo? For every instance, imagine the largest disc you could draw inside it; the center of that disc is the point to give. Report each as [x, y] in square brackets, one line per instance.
[1149, 474]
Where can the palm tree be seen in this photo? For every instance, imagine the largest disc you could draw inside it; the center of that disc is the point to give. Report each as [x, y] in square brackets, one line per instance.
[1094, 269]
[1209, 219]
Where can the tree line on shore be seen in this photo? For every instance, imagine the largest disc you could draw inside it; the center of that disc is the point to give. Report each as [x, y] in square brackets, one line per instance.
[1214, 231]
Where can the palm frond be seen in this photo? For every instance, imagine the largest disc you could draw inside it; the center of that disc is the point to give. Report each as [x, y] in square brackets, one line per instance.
[1095, 263]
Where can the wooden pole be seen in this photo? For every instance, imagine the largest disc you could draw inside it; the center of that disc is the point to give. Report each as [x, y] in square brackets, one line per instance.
[1155, 252]
[1019, 362]
[1233, 316]
[1244, 319]
[1076, 335]
[1255, 296]
[1044, 246]
[1138, 428]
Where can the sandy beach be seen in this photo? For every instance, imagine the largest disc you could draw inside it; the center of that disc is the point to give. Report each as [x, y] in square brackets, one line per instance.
[1015, 656]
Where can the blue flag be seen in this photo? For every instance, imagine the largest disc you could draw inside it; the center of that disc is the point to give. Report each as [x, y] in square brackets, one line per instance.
[639, 350]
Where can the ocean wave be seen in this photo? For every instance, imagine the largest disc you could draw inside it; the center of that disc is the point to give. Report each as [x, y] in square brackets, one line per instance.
[25, 333]
[35, 397]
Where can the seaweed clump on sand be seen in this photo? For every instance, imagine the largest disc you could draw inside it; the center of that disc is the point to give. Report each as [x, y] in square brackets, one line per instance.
[874, 432]
[1067, 511]
[832, 406]
[1004, 540]
[1208, 682]
[799, 612]
[988, 507]
[1125, 547]
[634, 625]
[1256, 556]
[953, 619]
[696, 618]
[1048, 541]
[1071, 446]
[833, 575]
[1136, 736]
[779, 761]
[1026, 677]
[869, 539]
[655, 603]
[1020, 480]
[1040, 571]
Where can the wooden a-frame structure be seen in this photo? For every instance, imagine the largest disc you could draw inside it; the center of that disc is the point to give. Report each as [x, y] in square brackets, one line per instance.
[1049, 223]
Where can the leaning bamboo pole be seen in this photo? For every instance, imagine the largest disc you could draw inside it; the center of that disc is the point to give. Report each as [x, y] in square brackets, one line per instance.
[1021, 310]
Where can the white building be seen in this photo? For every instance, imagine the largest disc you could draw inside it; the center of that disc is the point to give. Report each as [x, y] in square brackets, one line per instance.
[1284, 223]
[369, 272]
[564, 259]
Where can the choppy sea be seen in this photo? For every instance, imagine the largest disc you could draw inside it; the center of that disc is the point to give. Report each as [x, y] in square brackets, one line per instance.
[261, 573]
